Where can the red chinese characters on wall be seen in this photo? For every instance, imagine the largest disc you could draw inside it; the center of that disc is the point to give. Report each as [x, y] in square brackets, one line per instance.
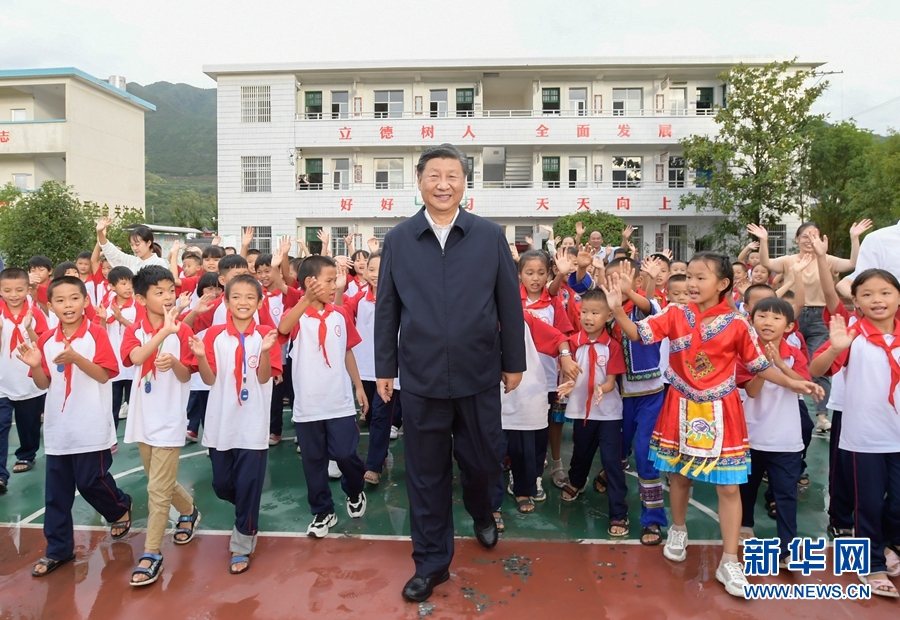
[346, 204]
[4, 136]
[428, 131]
[543, 203]
[583, 131]
[469, 204]
[386, 133]
[624, 131]
[345, 133]
[469, 133]
[584, 203]
[623, 203]
[387, 204]
[665, 131]
[542, 131]
[666, 202]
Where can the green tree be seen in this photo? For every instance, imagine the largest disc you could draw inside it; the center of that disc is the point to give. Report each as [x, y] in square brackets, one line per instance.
[194, 210]
[49, 221]
[877, 194]
[609, 225]
[751, 166]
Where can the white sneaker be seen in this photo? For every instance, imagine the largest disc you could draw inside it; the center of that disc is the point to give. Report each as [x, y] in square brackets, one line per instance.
[274, 440]
[395, 432]
[358, 508]
[541, 495]
[123, 411]
[334, 472]
[731, 574]
[298, 449]
[823, 424]
[676, 545]
[320, 525]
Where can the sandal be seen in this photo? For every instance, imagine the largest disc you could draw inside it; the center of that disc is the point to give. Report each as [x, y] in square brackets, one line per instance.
[372, 477]
[893, 562]
[498, 520]
[125, 525]
[570, 493]
[654, 531]
[803, 482]
[237, 559]
[600, 482]
[558, 475]
[524, 503]
[153, 571]
[770, 510]
[193, 519]
[620, 523]
[51, 565]
[876, 584]
[22, 466]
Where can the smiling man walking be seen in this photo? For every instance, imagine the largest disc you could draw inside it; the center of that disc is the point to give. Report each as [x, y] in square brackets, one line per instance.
[448, 279]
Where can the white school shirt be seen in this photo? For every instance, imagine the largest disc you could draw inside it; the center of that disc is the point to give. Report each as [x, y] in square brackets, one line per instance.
[773, 420]
[839, 378]
[158, 418]
[116, 333]
[610, 360]
[870, 424]
[230, 422]
[362, 307]
[322, 391]
[80, 421]
[279, 304]
[15, 384]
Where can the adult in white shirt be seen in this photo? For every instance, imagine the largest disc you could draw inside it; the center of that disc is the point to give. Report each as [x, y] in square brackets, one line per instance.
[879, 250]
[141, 244]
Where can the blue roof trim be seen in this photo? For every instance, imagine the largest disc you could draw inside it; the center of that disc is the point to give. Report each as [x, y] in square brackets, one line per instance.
[73, 72]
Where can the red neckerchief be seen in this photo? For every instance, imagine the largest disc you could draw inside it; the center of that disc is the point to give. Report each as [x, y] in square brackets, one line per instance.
[149, 365]
[874, 336]
[370, 296]
[583, 340]
[543, 302]
[67, 368]
[239, 352]
[16, 337]
[107, 303]
[323, 328]
[697, 336]
[274, 293]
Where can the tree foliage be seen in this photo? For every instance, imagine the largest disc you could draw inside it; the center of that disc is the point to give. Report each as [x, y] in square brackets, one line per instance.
[609, 225]
[752, 166]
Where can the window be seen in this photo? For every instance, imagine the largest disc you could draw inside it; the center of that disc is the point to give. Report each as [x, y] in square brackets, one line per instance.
[256, 174]
[388, 103]
[678, 241]
[18, 114]
[521, 233]
[256, 104]
[578, 101]
[777, 240]
[380, 231]
[314, 104]
[577, 172]
[465, 101]
[439, 103]
[338, 245]
[676, 171]
[470, 178]
[628, 101]
[314, 174]
[702, 177]
[340, 104]
[678, 101]
[340, 173]
[262, 239]
[550, 169]
[704, 101]
[637, 238]
[388, 174]
[550, 100]
[21, 181]
[627, 171]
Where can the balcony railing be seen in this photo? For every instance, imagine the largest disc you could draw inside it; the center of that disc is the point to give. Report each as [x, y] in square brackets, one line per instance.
[656, 112]
[498, 185]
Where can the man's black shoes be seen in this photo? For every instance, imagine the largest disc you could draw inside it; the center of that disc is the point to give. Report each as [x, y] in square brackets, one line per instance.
[487, 534]
[418, 588]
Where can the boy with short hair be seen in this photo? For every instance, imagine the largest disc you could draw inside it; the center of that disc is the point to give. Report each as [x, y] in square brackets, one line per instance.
[116, 314]
[40, 270]
[159, 349]
[86, 275]
[74, 363]
[20, 321]
[678, 267]
[324, 412]
[239, 360]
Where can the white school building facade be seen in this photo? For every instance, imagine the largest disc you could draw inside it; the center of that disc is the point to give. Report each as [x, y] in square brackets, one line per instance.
[333, 146]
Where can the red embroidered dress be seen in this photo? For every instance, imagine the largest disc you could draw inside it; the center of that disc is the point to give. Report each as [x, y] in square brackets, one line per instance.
[701, 432]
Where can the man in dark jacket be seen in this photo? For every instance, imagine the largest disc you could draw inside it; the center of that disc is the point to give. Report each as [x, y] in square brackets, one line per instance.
[449, 288]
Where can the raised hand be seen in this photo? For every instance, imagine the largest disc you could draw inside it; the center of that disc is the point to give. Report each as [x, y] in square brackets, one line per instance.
[802, 264]
[269, 340]
[176, 247]
[579, 228]
[626, 277]
[216, 240]
[349, 239]
[859, 228]
[613, 293]
[29, 354]
[67, 356]
[668, 254]
[373, 244]
[759, 232]
[197, 347]
[184, 300]
[102, 314]
[103, 224]
[285, 245]
[840, 337]
[340, 282]
[626, 234]
[514, 251]
[584, 259]
[247, 236]
[773, 353]
[651, 266]
[563, 262]
[546, 229]
[820, 244]
[753, 246]
[529, 241]
[314, 289]
[204, 303]
[170, 321]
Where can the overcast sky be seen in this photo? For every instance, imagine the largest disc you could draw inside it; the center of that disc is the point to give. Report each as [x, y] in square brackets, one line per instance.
[170, 40]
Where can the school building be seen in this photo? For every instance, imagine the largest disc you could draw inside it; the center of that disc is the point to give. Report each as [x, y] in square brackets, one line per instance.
[333, 146]
[67, 126]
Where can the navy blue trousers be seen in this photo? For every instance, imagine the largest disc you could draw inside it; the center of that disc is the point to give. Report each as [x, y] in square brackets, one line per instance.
[876, 479]
[89, 473]
[27, 414]
[196, 409]
[276, 408]
[121, 393]
[436, 430]
[840, 479]
[784, 472]
[381, 419]
[606, 435]
[325, 440]
[238, 477]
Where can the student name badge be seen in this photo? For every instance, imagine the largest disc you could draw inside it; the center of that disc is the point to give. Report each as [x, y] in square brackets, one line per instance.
[245, 394]
[60, 368]
[147, 387]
